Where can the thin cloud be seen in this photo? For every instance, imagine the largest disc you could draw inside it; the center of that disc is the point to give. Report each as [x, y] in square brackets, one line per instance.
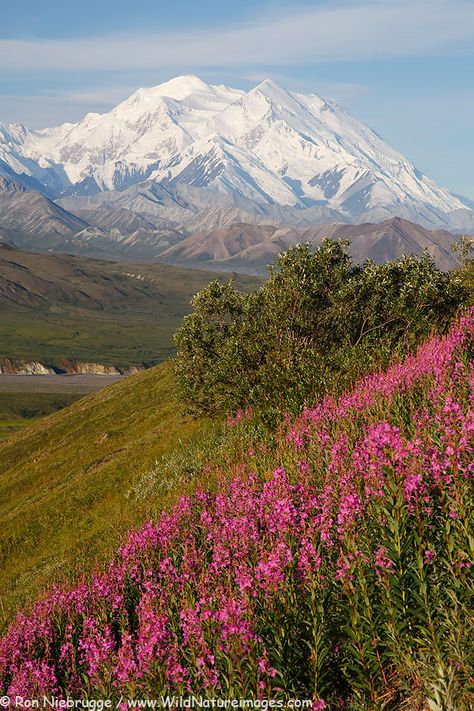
[363, 29]
[55, 107]
[106, 96]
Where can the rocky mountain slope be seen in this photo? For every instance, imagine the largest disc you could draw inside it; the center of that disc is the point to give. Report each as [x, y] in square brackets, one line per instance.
[250, 248]
[32, 219]
[183, 225]
[249, 150]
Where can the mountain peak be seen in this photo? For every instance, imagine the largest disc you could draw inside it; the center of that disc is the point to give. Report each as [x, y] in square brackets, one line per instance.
[272, 90]
[270, 93]
[267, 145]
[181, 87]
[268, 85]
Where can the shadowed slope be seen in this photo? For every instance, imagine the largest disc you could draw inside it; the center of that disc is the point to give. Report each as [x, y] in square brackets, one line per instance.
[249, 248]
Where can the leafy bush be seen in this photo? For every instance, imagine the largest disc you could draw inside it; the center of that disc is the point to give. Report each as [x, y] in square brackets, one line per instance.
[464, 250]
[315, 325]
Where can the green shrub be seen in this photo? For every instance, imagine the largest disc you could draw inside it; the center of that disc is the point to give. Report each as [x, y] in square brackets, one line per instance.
[464, 250]
[315, 325]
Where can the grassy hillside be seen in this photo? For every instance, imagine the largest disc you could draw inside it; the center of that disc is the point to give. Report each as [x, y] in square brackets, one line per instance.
[319, 561]
[64, 481]
[24, 399]
[55, 307]
[18, 410]
[333, 566]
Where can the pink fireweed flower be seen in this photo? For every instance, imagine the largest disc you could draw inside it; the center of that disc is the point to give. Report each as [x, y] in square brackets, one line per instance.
[428, 556]
[309, 560]
[239, 417]
[272, 570]
[127, 668]
[96, 646]
[382, 562]
[350, 508]
[345, 567]
[265, 668]
[413, 486]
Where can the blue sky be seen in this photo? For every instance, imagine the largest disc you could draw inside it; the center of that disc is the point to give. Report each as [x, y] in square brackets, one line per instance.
[405, 67]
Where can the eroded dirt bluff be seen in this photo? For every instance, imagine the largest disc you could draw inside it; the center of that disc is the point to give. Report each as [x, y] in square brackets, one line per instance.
[9, 366]
[20, 367]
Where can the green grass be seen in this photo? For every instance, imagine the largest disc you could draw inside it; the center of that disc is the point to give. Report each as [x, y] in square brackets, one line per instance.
[108, 338]
[55, 307]
[67, 481]
[9, 427]
[25, 405]
[20, 410]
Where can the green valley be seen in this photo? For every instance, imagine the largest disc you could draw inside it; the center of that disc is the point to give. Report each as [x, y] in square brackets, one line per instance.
[55, 307]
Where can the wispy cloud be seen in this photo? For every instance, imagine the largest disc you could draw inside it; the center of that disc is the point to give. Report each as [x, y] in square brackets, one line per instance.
[55, 107]
[107, 96]
[358, 29]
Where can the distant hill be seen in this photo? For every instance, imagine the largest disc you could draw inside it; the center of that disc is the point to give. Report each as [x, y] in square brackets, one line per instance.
[57, 306]
[32, 219]
[249, 248]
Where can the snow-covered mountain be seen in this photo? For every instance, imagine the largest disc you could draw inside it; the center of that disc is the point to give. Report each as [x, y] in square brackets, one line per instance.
[267, 147]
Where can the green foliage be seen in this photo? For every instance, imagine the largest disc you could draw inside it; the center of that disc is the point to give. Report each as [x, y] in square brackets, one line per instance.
[314, 326]
[464, 250]
[207, 337]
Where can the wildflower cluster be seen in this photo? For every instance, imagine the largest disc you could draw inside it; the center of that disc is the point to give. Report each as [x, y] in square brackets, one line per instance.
[340, 573]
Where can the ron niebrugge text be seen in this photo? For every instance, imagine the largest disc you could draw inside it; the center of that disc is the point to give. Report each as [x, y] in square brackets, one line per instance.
[165, 702]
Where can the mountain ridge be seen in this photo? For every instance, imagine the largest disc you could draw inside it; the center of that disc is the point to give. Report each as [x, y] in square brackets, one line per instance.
[185, 226]
[268, 146]
[250, 248]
